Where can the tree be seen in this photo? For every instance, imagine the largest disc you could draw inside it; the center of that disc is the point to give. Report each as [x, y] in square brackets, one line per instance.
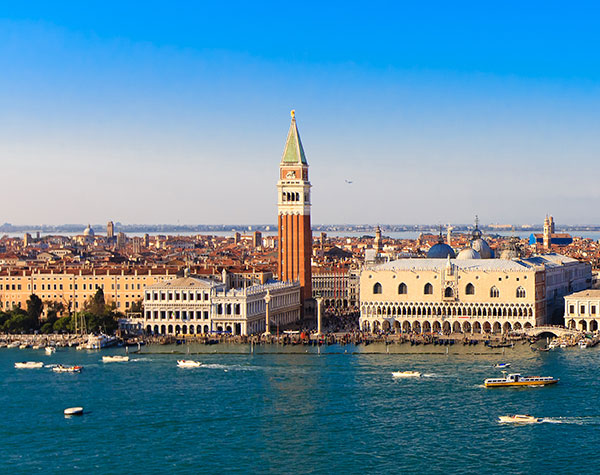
[20, 322]
[63, 325]
[96, 305]
[137, 306]
[35, 307]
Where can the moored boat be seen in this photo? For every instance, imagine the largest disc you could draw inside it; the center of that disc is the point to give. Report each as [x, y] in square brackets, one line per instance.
[188, 364]
[519, 419]
[517, 380]
[115, 359]
[67, 369]
[406, 374]
[29, 365]
[49, 350]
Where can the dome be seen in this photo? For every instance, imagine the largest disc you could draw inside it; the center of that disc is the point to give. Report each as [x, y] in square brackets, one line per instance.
[483, 248]
[440, 251]
[468, 253]
[88, 232]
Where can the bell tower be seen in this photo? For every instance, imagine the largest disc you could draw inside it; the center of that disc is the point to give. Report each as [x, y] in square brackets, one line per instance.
[293, 209]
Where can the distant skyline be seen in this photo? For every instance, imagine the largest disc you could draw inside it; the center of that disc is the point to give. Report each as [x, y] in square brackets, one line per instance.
[178, 113]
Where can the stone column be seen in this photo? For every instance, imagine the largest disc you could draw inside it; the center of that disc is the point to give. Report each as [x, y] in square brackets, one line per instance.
[267, 300]
[319, 314]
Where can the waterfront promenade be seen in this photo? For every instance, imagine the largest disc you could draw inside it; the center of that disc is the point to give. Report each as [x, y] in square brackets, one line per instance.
[313, 339]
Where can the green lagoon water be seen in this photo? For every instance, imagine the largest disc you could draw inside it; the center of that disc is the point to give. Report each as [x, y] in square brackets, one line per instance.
[289, 410]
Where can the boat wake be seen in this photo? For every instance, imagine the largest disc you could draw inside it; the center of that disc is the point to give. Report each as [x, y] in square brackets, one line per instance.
[228, 367]
[580, 421]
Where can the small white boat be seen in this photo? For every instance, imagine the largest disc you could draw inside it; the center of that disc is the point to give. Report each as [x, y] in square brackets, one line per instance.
[73, 411]
[519, 419]
[14, 344]
[188, 364]
[49, 350]
[406, 374]
[582, 344]
[35, 347]
[29, 365]
[23, 346]
[67, 369]
[502, 365]
[115, 359]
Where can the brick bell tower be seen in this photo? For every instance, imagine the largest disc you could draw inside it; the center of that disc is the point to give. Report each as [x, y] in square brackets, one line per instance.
[293, 209]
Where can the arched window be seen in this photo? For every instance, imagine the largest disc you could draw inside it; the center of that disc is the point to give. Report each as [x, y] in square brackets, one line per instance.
[494, 292]
[521, 294]
[402, 290]
[377, 288]
[448, 292]
[428, 290]
[470, 289]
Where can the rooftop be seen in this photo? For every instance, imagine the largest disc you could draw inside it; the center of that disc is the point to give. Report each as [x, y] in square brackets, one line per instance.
[464, 264]
[591, 293]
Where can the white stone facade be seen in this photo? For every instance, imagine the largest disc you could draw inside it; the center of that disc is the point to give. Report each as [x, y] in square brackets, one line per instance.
[191, 305]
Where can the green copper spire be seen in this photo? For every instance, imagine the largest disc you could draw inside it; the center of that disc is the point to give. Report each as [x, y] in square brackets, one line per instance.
[294, 152]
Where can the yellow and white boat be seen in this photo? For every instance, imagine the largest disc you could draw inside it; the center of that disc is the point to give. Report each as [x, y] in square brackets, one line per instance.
[406, 374]
[516, 379]
[519, 419]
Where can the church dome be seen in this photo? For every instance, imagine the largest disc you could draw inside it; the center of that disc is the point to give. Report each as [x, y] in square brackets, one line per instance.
[483, 248]
[440, 251]
[88, 232]
[468, 253]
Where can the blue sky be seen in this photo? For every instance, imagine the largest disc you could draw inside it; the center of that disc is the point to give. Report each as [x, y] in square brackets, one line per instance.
[177, 112]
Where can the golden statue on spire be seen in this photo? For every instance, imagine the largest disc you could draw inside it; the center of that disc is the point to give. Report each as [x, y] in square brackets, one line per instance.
[293, 113]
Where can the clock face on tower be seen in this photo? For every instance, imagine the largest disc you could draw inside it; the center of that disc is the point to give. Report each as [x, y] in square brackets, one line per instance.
[291, 174]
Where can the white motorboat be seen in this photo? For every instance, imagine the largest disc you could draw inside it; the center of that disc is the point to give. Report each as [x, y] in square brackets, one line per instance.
[29, 365]
[502, 365]
[23, 346]
[49, 350]
[519, 419]
[73, 411]
[582, 344]
[188, 364]
[67, 369]
[115, 359]
[35, 347]
[406, 374]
